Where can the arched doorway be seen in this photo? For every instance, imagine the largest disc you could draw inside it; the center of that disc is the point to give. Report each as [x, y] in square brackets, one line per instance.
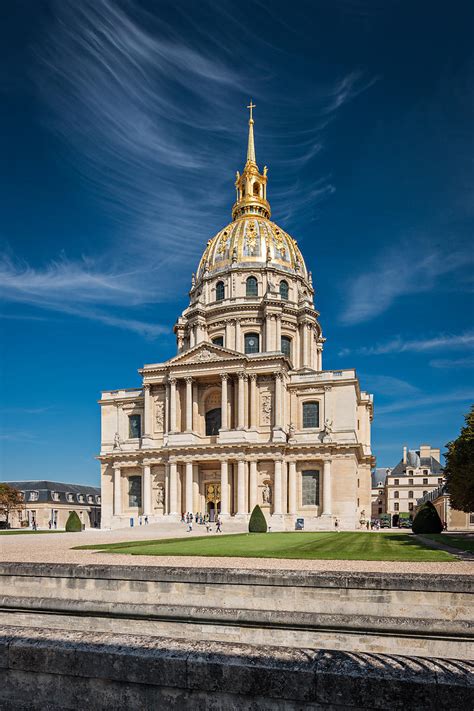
[213, 500]
[213, 421]
[395, 520]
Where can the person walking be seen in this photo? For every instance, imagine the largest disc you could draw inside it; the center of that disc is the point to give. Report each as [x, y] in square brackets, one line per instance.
[219, 525]
[336, 525]
[146, 520]
[190, 526]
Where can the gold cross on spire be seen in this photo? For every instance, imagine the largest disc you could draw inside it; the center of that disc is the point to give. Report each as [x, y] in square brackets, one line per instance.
[251, 106]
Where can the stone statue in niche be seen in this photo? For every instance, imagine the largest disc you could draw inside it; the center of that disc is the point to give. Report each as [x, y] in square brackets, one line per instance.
[266, 409]
[117, 442]
[291, 432]
[327, 432]
[267, 494]
[159, 413]
[160, 496]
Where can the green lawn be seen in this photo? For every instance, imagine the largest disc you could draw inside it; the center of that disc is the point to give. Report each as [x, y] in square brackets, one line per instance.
[313, 546]
[463, 542]
[23, 531]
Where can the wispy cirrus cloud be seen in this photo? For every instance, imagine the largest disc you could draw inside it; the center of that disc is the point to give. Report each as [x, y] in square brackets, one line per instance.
[446, 363]
[148, 112]
[419, 345]
[427, 401]
[401, 271]
[388, 385]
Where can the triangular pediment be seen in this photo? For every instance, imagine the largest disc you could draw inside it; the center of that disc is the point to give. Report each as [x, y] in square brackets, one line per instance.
[205, 353]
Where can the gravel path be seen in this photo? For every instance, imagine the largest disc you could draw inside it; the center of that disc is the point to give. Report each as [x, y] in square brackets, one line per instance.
[57, 548]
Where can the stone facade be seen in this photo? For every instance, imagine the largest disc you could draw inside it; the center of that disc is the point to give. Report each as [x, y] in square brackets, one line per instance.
[244, 414]
[454, 519]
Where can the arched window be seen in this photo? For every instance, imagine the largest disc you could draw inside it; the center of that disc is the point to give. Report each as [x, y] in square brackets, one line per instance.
[284, 290]
[395, 494]
[286, 346]
[219, 291]
[252, 343]
[218, 340]
[310, 414]
[256, 189]
[252, 286]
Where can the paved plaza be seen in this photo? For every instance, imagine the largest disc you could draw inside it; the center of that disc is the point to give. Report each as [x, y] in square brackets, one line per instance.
[58, 548]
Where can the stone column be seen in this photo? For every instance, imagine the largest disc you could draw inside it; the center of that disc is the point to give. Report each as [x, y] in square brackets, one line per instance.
[147, 411]
[253, 497]
[173, 488]
[146, 490]
[172, 404]
[292, 487]
[224, 400]
[166, 506]
[268, 332]
[189, 487]
[241, 486]
[327, 487]
[224, 487]
[166, 423]
[277, 488]
[278, 333]
[238, 345]
[303, 344]
[117, 491]
[227, 341]
[241, 402]
[253, 400]
[277, 401]
[189, 405]
[192, 337]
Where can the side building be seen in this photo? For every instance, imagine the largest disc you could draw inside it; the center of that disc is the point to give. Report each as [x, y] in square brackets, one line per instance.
[454, 519]
[417, 473]
[50, 502]
[379, 499]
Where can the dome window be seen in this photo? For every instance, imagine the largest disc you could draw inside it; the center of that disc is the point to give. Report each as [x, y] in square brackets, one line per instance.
[286, 346]
[284, 290]
[256, 189]
[219, 291]
[252, 286]
[252, 343]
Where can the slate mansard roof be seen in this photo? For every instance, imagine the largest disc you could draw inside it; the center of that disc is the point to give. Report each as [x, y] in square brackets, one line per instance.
[64, 493]
[413, 461]
[378, 476]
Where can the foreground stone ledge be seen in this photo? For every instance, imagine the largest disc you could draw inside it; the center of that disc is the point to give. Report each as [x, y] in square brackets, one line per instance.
[284, 578]
[55, 669]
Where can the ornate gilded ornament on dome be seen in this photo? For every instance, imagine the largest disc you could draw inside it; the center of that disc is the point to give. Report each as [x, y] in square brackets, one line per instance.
[251, 238]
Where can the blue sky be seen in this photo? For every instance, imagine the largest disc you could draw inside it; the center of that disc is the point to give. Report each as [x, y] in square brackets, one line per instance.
[124, 127]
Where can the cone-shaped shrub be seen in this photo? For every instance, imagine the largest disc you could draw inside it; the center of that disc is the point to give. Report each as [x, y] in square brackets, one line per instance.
[427, 520]
[257, 523]
[73, 524]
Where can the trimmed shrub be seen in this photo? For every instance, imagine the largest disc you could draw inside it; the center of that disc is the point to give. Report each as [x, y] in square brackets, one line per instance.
[257, 523]
[73, 524]
[427, 520]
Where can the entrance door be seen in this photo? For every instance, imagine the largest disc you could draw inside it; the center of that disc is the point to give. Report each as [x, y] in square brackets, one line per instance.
[213, 510]
[213, 422]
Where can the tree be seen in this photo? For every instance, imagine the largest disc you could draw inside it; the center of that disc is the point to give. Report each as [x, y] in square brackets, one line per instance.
[427, 520]
[10, 500]
[459, 469]
[258, 522]
[73, 523]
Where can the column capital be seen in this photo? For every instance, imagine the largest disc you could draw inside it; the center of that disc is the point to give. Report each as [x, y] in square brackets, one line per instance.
[224, 376]
[279, 375]
[147, 387]
[189, 379]
[252, 376]
[172, 380]
[242, 375]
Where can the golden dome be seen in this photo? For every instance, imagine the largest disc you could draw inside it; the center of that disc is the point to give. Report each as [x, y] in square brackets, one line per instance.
[252, 241]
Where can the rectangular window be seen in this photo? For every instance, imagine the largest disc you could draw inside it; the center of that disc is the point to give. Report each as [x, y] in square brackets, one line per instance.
[134, 426]
[410, 482]
[218, 340]
[310, 488]
[425, 481]
[410, 506]
[135, 491]
[310, 414]
[471, 519]
[396, 482]
[396, 507]
[440, 480]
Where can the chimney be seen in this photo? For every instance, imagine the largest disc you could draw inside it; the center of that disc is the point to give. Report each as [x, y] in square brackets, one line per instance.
[425, 451]
[436, 454]
[404, 455]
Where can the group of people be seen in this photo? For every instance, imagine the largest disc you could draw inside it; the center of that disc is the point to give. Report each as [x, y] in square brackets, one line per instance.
[202, 520]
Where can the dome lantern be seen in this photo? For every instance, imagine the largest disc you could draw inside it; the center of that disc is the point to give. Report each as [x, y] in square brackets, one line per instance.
[251, 186]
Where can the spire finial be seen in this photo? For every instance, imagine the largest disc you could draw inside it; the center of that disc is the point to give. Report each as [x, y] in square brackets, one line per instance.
[251, 145]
